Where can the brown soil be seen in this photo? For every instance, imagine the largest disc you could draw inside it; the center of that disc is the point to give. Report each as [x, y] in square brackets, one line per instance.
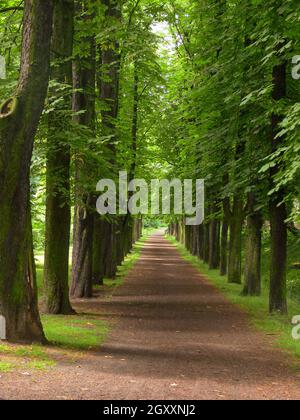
[175, 337]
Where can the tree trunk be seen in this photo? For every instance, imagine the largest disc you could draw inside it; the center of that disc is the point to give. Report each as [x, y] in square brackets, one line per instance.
[206, 242]
[224, 248]
[130, 234]
[253, 253]
[278, 215]
[19, 118]
[200, 241]
[58, 211]
[195, 238]
[187, 238]
[111, 251]
[235, 242]
[214, 242]
[82, 284]
[98, 243]
[105, 252]
[176, 235]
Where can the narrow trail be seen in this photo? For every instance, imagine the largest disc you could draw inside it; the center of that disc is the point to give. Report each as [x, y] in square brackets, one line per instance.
[175, 337]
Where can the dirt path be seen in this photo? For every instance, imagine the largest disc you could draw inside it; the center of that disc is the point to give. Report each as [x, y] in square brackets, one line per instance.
[176, 338]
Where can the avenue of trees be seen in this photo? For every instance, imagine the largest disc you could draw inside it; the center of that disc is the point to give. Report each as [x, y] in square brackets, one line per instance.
[239, 98]
[173, 89]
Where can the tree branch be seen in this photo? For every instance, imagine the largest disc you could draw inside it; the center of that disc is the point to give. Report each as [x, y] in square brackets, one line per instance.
[12, 9]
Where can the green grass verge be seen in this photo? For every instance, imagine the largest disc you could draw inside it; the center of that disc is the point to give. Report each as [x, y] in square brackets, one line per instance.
[256, 307]
[78, 333]
[7, 367]
[25, 357]
[81, 332]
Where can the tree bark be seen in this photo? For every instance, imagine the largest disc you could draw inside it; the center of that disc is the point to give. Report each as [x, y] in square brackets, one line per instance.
[195, 238]
[252, 285]
[19, 118]
[235, 242]
[82, 284]
[224, 248]
[187, 237]
[206, 242]
[58, 211]
[214, 241]
[200, 241]
[99, 241]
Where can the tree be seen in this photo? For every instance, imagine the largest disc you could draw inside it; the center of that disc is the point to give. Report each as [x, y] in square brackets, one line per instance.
[106, 230]
[58, 213]
[19, 118]
[84, 80]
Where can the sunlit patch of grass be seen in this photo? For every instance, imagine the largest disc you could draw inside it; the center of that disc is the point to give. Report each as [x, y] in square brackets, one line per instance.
[29, 357]
[32, 352]
[75, 332]
[277, 326]
[6, 367]
[66, 332]
[39, 279]
[40, 364]
[113, 283]
[4, 349]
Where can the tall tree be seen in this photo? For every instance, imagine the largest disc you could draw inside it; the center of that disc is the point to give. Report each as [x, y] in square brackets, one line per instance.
[84, 80]
[19, 118]
[109, 96]
[58, 213]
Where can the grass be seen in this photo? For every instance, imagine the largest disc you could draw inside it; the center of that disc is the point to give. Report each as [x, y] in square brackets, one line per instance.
[81, 332]
[25, 357]
[41, 364]
[6, 367]
[278, 326]
[39, 278]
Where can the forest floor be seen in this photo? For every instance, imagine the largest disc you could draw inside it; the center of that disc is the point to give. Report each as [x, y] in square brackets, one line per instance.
[174, 336]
